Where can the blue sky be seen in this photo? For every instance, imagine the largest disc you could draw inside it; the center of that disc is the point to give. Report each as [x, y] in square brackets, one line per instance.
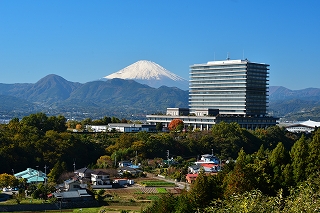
[85, 40]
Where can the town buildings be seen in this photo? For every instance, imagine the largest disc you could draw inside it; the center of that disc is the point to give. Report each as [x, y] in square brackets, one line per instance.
[224, 91]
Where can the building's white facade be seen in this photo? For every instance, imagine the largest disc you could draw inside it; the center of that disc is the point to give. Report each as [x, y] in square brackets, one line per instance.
[235, 87]
[97, 128]
[124, 127]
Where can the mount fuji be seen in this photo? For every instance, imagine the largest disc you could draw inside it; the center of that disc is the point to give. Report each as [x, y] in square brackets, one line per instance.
[151, 74]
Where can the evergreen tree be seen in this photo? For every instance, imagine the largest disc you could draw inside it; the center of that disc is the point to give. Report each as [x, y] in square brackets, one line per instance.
[204, 190]
[279, 158]
[56, 171]
[241, 179]
[314, 153]
[299, 159]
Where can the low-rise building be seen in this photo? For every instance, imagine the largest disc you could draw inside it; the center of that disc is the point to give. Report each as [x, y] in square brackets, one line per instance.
[32, 176]
[306, 127]
[124, 127]
[100, 178]
[205, 119]
[84, 172]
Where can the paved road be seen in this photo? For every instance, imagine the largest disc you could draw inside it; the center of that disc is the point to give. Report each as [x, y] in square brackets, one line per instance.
[181, 185]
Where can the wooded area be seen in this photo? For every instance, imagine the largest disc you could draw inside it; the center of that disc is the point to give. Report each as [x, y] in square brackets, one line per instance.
[270, 163]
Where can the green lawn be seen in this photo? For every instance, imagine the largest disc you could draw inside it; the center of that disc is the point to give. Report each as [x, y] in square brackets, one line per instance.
[161, 190]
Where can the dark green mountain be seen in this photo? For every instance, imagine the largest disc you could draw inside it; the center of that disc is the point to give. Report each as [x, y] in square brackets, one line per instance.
[50, 89]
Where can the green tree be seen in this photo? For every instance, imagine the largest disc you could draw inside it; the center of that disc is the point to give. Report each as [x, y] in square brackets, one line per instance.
[241, 178]
[228, 139]
[204, 190]
[313, 167]
[39, 120]
[279, 158]
[166, 203]
[56, 171]
[299, 158]
[57, 123]
[8, 180]
[159, 127]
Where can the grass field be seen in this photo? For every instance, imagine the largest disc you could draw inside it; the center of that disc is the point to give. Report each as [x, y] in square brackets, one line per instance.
[156, 183]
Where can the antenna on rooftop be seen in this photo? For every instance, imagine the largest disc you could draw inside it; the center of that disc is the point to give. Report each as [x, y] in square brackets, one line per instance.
[74, 165]
[242, 54]
[228, 58]
[214, 56]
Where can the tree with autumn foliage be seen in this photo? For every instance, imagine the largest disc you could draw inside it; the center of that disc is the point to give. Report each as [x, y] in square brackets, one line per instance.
[176, 125]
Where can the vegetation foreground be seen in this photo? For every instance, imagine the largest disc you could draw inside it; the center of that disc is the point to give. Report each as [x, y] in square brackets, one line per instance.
[264, 170]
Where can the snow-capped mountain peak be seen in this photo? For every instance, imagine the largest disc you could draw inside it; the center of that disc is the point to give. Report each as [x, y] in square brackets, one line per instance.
[149, 73]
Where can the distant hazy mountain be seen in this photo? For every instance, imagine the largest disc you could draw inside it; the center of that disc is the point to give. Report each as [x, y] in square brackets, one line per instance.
[282, 93]
[150, 73]
[129, 99]
[295, 104]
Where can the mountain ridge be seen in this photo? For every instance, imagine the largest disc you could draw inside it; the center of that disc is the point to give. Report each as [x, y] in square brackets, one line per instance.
[130, 99]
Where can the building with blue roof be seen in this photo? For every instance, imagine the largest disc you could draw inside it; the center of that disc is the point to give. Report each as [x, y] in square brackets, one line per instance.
[32, 176]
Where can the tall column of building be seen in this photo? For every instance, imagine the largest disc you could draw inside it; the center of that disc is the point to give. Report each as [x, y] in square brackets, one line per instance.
[235, 87]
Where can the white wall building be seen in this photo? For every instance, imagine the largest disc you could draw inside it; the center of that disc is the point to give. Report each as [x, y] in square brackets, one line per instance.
[306, 126]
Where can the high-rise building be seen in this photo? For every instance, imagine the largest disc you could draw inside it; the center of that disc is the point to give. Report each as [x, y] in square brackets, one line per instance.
[224, 91]
[235, 87]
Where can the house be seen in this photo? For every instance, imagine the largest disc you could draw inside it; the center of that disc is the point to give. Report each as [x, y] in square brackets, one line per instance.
[72, 191]
[125, 163]
[123, 182]
[210, 168]
[132, 171]
[194, 169]
[207, 158]
[32, 176]
[84, 172]
[72, 185]
[100, 178]
[190, 178]
[73, 196]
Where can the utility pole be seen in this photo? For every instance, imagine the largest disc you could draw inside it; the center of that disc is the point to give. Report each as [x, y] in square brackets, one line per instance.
[45, 174]
[115, 160]
[168, 154]
[136, 157]
[37, 173]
